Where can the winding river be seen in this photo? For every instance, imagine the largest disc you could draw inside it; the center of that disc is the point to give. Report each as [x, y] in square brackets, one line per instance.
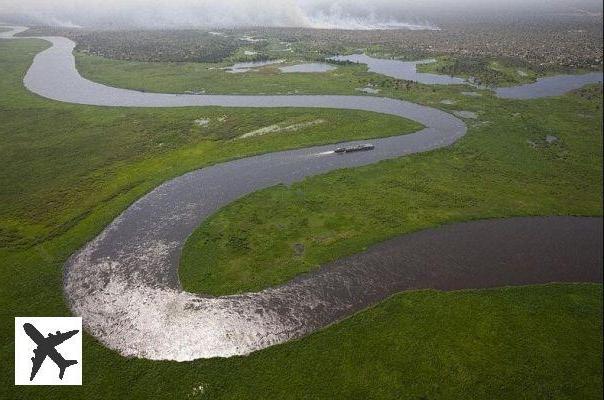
[544, 87]
[125, 284]
[401, 69]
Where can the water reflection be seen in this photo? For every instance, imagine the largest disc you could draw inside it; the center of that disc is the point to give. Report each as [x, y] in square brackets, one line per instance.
[308, 68]
[406, 70]
[242, 67]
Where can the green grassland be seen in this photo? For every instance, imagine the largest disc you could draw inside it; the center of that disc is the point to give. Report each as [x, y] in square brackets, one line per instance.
[493, 72]
[504, 167]
[68, 170]
[210, 77]
[488, 71]
[63, 161]
[180, 77]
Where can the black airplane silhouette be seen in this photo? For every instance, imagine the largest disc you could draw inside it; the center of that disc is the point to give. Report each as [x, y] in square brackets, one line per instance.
[46, 347]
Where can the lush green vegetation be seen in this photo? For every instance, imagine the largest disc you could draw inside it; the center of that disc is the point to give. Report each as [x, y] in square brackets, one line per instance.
[211, 78]
[60, 161]
[539, 342]
[495, 72]
[485, 71]
[69, 170]
[503, 168]
[169, 77]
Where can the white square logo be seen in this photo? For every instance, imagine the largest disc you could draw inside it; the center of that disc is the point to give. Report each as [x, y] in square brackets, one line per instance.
[48, 351]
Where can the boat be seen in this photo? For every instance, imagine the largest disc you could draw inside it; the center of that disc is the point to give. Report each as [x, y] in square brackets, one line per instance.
[352, 149]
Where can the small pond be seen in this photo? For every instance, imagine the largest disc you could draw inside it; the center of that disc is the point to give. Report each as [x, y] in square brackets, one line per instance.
[308, 68]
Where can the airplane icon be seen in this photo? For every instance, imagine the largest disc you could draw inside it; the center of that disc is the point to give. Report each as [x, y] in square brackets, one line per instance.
[46, 347]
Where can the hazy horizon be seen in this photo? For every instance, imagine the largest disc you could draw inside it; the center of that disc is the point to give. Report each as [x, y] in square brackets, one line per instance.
[340, 14]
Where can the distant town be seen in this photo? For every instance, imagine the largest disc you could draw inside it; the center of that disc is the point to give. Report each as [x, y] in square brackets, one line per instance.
[539, 44]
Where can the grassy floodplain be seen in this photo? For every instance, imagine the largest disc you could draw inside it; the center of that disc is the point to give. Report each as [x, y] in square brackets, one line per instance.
[210, 77]
[504, 167]
[488, 71]
[178, 77]
[62, 182]
[63, 161]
